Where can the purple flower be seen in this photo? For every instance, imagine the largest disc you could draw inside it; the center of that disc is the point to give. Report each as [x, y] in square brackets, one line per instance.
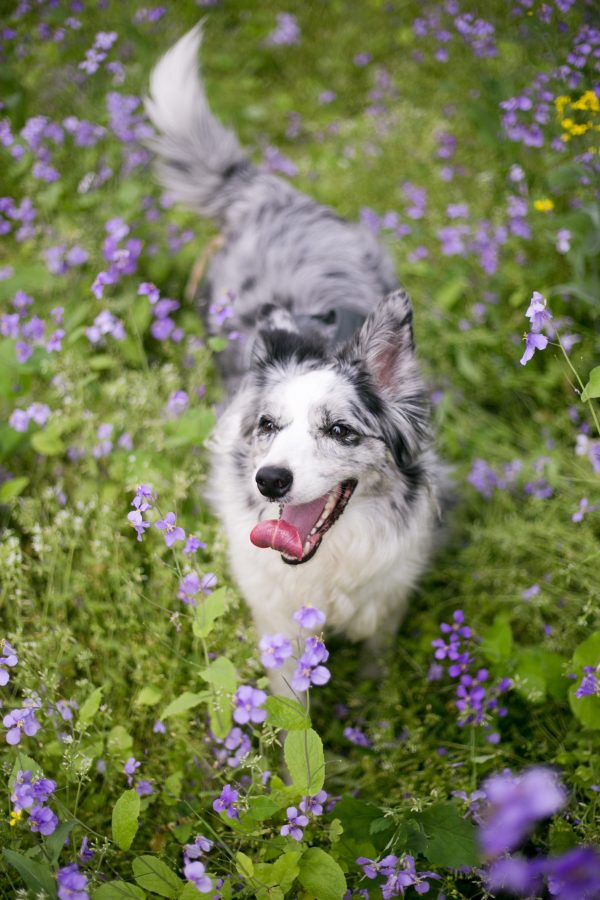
[20, 722]
[8, 658]
[226, 802]
[190, 585]
[575, 875]
[515, 875]
[201, 845]
[177, 404]
[194, 872]
[313, 806]
[538, 313]
[286, 33]
[19, 420]
[533, 342]
[130, 768]
[309, 617]
[85, 854]
[136, 519]
[306, 675]
[357, 737]
[150, 290]
[72, 884]
[143, 497]
[248, 701]
[192, 545]
[173, 532]
[294, 825]
[275, 650]
[589, 686]
[144, 788]
[516, 803]
[42, 819]
[563, 240]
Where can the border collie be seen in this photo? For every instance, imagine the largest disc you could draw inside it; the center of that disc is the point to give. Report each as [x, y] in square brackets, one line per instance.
[323, 472]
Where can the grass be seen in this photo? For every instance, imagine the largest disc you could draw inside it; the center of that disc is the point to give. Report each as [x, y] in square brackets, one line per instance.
[86, 606]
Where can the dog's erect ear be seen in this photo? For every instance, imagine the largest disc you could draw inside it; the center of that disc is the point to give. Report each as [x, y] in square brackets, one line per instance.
[385, 342]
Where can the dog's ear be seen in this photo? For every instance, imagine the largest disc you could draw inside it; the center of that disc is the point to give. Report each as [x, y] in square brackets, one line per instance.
[385, 343]
[382, 360]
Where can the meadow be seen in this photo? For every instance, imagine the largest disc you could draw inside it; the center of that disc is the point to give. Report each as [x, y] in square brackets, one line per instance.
[466, 136]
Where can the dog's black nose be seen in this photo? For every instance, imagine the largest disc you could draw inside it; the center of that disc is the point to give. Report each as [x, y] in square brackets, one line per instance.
[274, 481]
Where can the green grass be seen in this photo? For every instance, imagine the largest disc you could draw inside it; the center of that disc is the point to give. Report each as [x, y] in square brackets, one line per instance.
[87, 606]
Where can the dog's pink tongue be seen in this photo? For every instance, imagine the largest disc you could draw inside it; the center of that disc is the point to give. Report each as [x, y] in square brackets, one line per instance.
[288, 534]
[279, 535]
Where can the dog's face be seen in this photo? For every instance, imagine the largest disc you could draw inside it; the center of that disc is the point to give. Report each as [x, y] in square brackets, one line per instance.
[323, 425]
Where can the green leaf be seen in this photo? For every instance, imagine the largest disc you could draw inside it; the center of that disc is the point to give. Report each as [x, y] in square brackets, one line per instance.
[540, 672]
[153, 875]
[592, 388]
[284, 712]
[181, 704]
[208, 611]
[11, 489]
[586, 709]
[356, 816]
[497, 641]
[217, 343]
[264, 806]
[119, 740]
[37, 876]
[47, 442]
[55, 842]
[303, 752]
[101, 362]
[451, 292]
[190, 892]
[451, 839]
[125, 818]
[280, 874]
[90, 706]
[148, 696]
[321, 875]
[221, 673]
[118, 890]
[244, 864]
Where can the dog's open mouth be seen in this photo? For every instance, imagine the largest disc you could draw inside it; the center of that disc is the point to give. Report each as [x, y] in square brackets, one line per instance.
[300, 527]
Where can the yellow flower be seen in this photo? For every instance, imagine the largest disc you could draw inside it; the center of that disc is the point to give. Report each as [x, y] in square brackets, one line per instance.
[544, 205]
[15, 816]
[560, 103]
[589, 100]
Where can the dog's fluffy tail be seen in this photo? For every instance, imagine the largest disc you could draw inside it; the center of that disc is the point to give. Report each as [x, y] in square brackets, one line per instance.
[199, 161]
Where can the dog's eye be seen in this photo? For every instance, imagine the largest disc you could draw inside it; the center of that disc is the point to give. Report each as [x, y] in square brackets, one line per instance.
[340, 431]
[266, 425]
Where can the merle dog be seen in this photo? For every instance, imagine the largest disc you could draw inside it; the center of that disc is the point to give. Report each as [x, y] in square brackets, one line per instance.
[323, 473]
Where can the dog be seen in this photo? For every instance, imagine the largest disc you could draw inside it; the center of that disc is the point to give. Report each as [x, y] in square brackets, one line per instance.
[323, 470]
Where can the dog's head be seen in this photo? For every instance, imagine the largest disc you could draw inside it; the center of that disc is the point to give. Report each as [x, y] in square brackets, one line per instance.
[325, 424]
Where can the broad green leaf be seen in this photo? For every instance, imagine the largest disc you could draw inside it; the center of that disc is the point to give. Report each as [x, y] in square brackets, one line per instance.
[118, 890]
[321, 875]
[55, 842]
[540, 672]
[125, 818]
[220, 717]
[119, 740]
[264, 806]
[451, 840]
[284, 712]
[303, 752]
[217, 343]
[48, 443]
[153, 875]
[183, 703]
[11, 489]
[586, 709]
[191, 892]
[102, 361]
[592, 388]
[357, 816]
[221, 674]
[148, 696]
[90, 706]
[172, 788]
[207, 612]
[37, 876]
[497, 641]
[280, 874]
[451, 292]
[244, 864]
